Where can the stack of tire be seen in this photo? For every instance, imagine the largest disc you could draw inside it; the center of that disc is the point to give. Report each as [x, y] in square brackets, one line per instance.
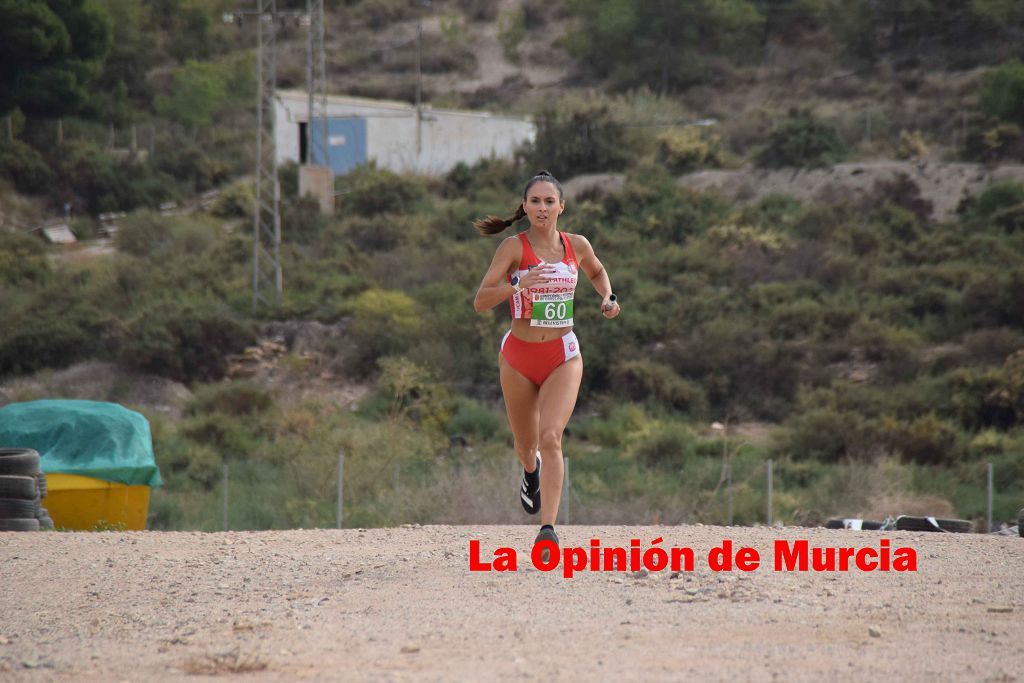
[22, 489]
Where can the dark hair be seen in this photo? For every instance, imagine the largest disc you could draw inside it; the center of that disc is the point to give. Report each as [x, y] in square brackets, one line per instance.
[492, 225]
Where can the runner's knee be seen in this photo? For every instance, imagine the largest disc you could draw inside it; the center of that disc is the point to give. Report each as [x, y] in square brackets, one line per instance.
[524, 449]
[550, 439]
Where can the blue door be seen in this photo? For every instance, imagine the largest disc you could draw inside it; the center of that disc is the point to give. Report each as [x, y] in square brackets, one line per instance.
[346, 144]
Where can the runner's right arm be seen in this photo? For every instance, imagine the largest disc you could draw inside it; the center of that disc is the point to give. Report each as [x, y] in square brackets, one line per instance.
[495, 289]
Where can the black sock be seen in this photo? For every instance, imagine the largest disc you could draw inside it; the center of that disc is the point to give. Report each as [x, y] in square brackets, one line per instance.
[531, 477]
[547, 526]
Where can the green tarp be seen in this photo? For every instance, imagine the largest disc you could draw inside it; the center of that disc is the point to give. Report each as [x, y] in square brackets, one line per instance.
[100, 440]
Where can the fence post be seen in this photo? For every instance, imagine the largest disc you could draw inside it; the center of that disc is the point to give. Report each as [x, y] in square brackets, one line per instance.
[769, 482]
[988, 515]
[225, 516]
[341, 469]
[565, 488]
[728, 490]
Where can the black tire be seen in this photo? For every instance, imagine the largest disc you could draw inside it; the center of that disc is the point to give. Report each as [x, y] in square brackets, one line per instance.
[24, 461]
[835, 524]
[25, 488]
[19, 525]
[871, 526]
[14, 508]
[956, 526]
[1020, 522]
[41, 477]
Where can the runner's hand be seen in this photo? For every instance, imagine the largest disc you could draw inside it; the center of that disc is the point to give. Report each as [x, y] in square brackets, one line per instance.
[538, 276]
[610, 309]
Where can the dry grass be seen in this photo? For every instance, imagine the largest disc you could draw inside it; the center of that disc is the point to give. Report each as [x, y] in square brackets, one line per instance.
[219, 664]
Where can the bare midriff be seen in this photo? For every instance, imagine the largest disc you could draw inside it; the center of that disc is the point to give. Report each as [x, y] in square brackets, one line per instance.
[521, 329]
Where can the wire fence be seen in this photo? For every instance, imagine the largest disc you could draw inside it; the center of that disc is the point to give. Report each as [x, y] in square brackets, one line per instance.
[756, 483]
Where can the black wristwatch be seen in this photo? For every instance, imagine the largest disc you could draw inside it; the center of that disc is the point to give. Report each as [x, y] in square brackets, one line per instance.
[515, 284]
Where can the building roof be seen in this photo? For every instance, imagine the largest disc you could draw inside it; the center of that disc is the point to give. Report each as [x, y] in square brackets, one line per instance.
[392, 106]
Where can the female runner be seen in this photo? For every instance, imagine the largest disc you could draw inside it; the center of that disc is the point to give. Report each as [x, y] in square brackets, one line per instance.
[540, 364]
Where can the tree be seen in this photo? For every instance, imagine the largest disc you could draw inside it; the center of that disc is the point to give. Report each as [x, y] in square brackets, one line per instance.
[49, 52]
[200, 90]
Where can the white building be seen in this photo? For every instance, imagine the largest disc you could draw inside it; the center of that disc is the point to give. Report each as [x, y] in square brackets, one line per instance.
[392, 135]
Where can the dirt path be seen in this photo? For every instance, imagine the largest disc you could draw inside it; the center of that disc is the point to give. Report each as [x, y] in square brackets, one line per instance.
[401, 604]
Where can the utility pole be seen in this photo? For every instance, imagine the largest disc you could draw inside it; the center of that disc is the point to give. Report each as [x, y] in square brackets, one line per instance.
[419, 88]
[316, 176]
[266, 229]
[266, 225]
[419, 83]
[317, 83]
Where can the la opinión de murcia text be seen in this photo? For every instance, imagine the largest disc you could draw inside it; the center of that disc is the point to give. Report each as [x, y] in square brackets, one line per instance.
[789, 556]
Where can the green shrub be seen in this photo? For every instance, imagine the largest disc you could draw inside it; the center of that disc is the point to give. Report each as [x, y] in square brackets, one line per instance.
[642, 379]
[968, 391]
[665, 445]
[375, 232]
[829, 435]
[997, 197]
[380, 13]
[473, 418]
[183, 340]
[191, 165]
[53, 328]
[302, 219]
[414, 393]
[578, 136]
[230, 398]
[801, 318]
[926, 440]
[1002, 92]
[219, 435]
[617, 427]
[368, 191]
[25, 168]
[682, 150]
[802, 140]
[236, 201]
[385, 322]
[511, 32]
[23, 259]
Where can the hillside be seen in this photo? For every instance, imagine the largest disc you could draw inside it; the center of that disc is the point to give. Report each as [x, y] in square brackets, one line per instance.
[831, 268]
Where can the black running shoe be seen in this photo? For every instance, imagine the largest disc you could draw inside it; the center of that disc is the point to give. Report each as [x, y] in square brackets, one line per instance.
[546, 534]
[529, 495]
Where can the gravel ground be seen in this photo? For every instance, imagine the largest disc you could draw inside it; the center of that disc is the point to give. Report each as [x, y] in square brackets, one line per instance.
[401, 604]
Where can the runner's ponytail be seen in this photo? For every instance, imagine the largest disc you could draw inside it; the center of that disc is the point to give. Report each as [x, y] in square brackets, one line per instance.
[492, 225]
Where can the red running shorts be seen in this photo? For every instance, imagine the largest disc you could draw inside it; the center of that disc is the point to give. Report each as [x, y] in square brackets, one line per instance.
[537, 360]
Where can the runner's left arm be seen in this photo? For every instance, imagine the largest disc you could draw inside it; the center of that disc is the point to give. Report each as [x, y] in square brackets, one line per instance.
[595, 272]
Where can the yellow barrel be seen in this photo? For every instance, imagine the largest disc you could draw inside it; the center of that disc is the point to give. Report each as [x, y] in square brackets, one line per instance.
[77, 502]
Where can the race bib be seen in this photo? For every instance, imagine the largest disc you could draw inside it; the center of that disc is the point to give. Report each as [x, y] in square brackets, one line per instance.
[552, 310]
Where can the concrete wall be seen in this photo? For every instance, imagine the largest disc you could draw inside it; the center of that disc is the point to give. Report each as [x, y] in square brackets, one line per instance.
[446, 136]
